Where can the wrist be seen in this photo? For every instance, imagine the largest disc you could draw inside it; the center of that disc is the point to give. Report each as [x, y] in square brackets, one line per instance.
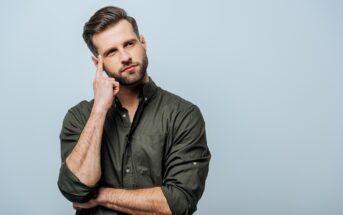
[99, 110]
[102, 196]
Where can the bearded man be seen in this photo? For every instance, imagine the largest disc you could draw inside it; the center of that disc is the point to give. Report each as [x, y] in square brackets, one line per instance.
[135, 148]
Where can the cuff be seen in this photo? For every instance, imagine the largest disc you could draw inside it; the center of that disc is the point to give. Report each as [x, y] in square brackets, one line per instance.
[72, 188]
[177, 200]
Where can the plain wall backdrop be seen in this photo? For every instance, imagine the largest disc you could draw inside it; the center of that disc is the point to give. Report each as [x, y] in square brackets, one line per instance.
[266, 74]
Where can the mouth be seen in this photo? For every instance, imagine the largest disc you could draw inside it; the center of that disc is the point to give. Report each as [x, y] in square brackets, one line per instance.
[129, 68]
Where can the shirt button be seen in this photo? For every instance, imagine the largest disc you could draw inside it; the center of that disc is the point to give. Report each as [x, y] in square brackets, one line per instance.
[124, 115]
[194, 163]
[127, 170]
[146, 99]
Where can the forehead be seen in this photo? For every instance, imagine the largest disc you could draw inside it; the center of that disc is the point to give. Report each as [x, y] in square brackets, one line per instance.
[114, 36]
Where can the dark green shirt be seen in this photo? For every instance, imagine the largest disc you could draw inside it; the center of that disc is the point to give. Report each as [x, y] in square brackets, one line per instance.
[165, 146]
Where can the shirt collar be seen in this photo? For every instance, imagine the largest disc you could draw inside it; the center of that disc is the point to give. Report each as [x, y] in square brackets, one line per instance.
[148, 90]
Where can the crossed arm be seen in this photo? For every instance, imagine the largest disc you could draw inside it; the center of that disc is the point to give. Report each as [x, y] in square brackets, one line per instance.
[139, 201]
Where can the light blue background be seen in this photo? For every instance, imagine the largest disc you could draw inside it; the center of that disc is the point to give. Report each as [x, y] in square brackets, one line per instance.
[267, 76]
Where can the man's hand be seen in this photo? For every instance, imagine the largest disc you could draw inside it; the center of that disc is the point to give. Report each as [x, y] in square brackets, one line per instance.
[105, 88]
[90, 204]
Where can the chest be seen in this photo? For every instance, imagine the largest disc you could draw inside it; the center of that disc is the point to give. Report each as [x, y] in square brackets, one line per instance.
[136, 158]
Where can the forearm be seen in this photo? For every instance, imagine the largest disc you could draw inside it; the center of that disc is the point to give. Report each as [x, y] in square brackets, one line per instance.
[139, 201]
[84, 160]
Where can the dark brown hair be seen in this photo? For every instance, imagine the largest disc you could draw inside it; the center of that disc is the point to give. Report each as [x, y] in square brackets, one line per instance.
[103, 19]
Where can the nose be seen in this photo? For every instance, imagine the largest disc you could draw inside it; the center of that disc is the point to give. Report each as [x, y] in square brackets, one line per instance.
[125, 57]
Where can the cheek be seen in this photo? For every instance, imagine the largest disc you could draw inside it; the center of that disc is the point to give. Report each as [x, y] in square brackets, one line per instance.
[111, 65]
[140, 54]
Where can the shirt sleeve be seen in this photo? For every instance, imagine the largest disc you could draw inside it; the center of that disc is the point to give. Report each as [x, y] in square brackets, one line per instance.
[70, 186]
[186, 163]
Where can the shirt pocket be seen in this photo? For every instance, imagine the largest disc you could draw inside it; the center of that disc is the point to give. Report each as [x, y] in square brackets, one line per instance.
[147, 154]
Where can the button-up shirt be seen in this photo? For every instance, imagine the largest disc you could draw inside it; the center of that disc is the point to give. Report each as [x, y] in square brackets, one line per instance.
[165, 145]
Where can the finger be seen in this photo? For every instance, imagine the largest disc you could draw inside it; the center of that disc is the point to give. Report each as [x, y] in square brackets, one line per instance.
[111, 78]
[116, 87]
[115, 83]
[99, 67]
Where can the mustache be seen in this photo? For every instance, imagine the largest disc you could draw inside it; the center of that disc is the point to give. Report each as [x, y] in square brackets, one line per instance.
[127, 66]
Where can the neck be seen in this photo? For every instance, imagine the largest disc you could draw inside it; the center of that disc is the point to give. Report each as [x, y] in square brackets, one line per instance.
[128, 95]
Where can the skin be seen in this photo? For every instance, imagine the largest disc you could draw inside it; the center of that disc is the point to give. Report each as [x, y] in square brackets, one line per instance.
[122, 53]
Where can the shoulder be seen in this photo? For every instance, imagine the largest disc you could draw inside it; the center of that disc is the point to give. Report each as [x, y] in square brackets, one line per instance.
[82, 107]
[173, 100]
[177, 106]
[75, 120]
[80, 112]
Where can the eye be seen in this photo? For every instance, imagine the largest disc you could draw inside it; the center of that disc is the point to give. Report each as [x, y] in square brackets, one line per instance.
[129, 44]
[111, 53]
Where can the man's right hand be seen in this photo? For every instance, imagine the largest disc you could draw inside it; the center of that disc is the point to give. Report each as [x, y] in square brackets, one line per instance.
[105, 88]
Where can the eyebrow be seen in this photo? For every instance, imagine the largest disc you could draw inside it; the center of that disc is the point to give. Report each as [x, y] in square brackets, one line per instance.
[109, 50]
[130, 41]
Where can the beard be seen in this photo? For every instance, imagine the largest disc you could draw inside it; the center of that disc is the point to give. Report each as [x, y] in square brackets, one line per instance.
[136, 78]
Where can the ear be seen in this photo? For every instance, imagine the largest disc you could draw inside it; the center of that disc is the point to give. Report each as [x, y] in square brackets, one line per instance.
[95, 60]
[142, 40]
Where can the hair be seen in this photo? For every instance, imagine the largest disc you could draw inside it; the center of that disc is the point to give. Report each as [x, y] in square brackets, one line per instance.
[103, 19]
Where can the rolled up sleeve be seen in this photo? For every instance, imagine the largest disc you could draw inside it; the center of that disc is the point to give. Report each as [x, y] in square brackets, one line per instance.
[187, 162]
[70, 186]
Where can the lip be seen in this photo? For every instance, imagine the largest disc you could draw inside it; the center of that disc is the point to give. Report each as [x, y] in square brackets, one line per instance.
[129, 68]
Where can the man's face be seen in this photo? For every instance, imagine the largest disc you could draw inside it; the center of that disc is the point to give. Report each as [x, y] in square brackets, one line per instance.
[123, 52]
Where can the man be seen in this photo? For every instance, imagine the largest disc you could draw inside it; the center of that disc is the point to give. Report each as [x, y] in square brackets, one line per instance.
[135, 148]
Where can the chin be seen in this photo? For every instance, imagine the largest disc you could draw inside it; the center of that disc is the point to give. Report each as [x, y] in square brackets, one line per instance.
[131, 82]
